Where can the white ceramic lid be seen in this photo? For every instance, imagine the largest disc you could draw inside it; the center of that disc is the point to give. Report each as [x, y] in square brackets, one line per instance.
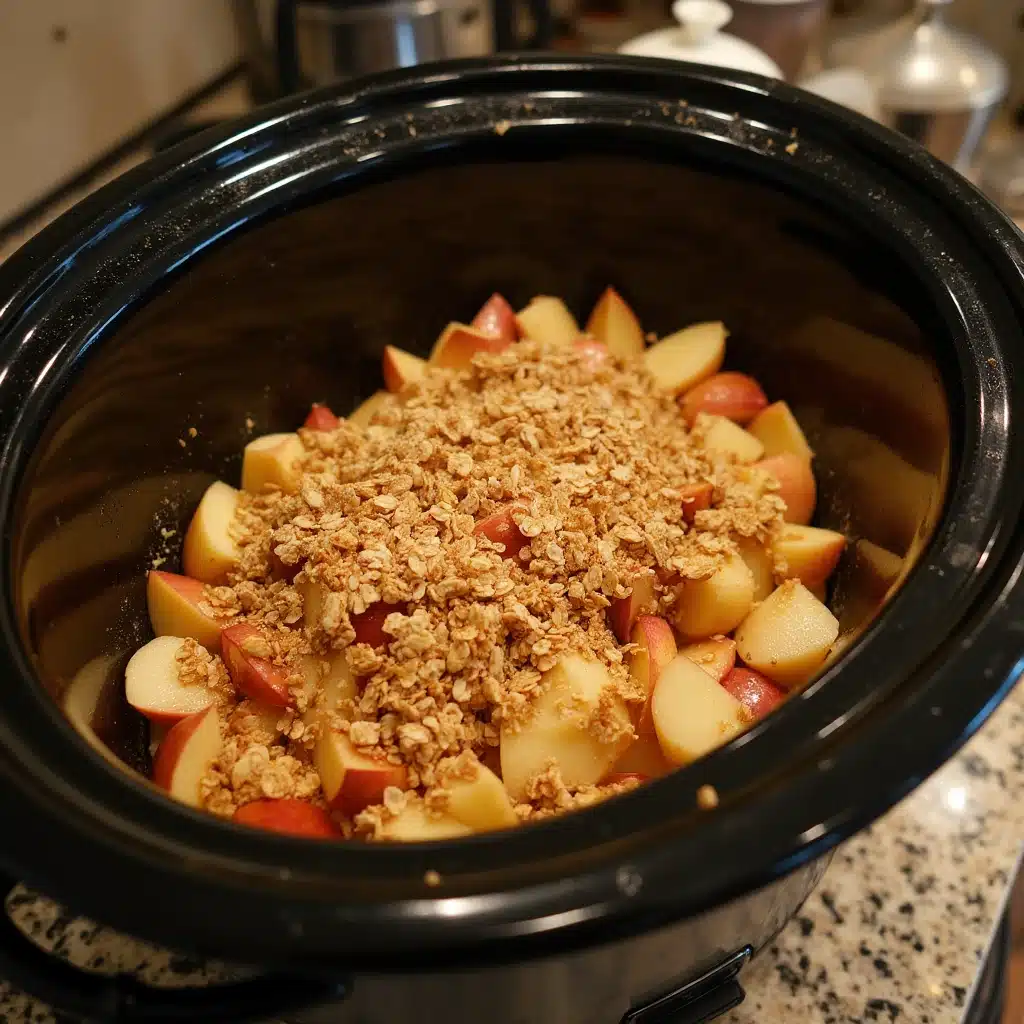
[698, 39]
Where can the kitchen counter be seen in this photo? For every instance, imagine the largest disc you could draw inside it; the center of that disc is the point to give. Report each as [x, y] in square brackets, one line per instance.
[895, 932]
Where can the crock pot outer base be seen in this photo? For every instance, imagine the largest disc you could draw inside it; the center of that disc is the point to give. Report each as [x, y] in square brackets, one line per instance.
[860, 230]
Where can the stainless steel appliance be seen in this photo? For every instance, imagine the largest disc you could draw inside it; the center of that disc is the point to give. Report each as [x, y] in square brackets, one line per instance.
[299, 44]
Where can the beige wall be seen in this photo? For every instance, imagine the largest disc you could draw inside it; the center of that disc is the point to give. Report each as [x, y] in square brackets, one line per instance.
[64, 101]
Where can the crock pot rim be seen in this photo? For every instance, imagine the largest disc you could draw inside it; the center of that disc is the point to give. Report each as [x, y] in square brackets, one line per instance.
[629, 911]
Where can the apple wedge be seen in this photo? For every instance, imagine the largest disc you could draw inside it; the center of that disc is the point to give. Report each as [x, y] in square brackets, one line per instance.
[272, 461]
[481, 802]
[352, 781]
[496, 319]
[756, 692]
[501, 529]
[210, 550]
[246, 655]
[696, 498]
[594, 353]
[623, 611]
[175, 608]
[362, 415]
[726, 438]
[687, 357]
[692, 713]
[655, 648]
[401, 369]
[369, 625]
[548, 321]
[83, 697]
[735, 396]
[717, 604]
[415, 825]
[788, 635]
[761, 564]
[321, 418]
[613, 322]
[186, 754]
[716, 656]
[152, 683]
[289, 817]
[797, 487]
[558, 729]
[455, 348]
[642, 757]
[811, 554]
[777, 429]
[312, 595]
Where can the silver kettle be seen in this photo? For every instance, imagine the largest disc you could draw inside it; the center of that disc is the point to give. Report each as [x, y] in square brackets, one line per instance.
[934, 83]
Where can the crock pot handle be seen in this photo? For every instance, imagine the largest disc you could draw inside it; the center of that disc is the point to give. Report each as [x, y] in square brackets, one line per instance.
[89, 997]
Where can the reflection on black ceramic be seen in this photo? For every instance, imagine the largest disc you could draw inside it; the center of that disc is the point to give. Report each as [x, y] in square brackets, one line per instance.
[251, 272]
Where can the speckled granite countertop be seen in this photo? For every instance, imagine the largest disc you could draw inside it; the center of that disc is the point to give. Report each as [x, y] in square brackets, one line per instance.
[895, 932]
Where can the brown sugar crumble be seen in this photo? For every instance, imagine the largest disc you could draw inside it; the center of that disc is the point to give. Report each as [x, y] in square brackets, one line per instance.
[590, 463]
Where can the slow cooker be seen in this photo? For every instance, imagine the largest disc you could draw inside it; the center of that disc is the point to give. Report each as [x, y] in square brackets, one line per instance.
[263, 265]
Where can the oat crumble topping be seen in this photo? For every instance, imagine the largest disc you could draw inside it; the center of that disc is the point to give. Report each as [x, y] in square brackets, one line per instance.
[591, 462]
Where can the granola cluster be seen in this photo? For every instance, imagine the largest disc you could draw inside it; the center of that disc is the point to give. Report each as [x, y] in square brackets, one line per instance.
[590, 463]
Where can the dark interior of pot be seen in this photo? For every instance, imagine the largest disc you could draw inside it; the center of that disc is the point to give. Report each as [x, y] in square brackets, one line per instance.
[298, 309]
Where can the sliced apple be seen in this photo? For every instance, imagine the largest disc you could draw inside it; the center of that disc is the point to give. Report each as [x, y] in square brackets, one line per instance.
[321, 418]
[716, 656]
[642, 757]
[761, 564]
[797, 488]
[83, 697]
[558, 729]
[623, 611]
[369, 625]
[717, 604]
[290, 817]
[613, 322]
[687, 357]
[210, 550]
[735, 396]
[415, 825]
[726, 438]
[595, 353]
[548, 320]
[777, 429]
[501, 529]
[692, 713]
[496, 319]
[696, 498]
[272, 461]
[246, 655]
[481, 802]
[455, 348]
[811, 554]
[312, 595]
[401, 369]
[881, 568]
[755, 691]
[186, 754]
[175, 608]
[655, 648]
[152, 683]
[788, 635]
[363, 415]
[352, 781]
